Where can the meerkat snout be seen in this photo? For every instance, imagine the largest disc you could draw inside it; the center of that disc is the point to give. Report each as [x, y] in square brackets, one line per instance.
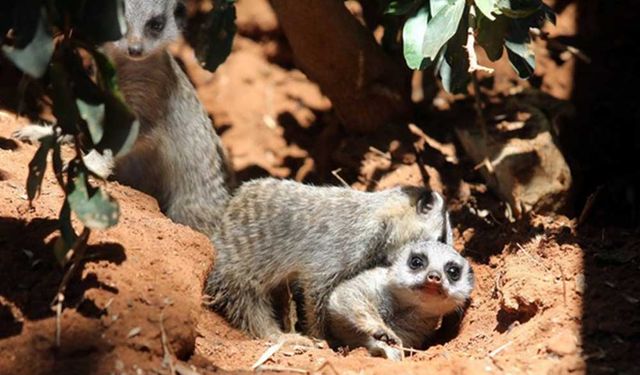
[433, 277]
[135, 47]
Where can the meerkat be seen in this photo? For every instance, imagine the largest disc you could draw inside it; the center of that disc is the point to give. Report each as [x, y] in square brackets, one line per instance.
[386, 308]
[279, 232]
[177, 158]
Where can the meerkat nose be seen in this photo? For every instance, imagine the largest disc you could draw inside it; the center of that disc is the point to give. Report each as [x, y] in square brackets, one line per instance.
[135, 50]
[434, 277]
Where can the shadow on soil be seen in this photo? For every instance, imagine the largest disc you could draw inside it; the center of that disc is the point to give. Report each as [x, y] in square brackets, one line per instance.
[604, 143]
[31, 274]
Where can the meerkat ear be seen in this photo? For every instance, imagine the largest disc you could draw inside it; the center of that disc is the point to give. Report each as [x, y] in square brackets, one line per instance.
[180, 15]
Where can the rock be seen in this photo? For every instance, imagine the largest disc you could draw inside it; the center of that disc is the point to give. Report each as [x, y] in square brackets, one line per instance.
[525, 167]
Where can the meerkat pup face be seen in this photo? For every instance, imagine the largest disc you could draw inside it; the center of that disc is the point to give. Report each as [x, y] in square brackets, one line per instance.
[151, 24]
[433, 276]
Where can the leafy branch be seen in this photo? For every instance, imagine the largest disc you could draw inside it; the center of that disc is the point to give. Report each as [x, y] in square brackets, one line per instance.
[56, 44]
[437, 33]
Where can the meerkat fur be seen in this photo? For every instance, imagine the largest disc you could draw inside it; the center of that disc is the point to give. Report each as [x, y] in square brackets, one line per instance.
[277, 232]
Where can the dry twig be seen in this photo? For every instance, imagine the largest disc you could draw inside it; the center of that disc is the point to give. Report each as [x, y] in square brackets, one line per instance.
[384, 155]
[273, 349]
[499, 349]
[283, 369]
[470, 47]
[78, 249]
[560, 46]
[336, 175]
[168, 356]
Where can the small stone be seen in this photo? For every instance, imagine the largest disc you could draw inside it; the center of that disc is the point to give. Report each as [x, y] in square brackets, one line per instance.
[580, 283]
[119, 365]
[134, 332]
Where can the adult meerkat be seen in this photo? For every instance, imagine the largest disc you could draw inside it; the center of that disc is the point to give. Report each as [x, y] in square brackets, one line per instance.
[386, 308]
[278, 232]
[177, 158]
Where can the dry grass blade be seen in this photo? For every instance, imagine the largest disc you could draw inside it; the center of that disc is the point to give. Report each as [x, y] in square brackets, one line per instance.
[282, 369]
[273, 349]
[336, 175]
[499, 349]
[384, 155]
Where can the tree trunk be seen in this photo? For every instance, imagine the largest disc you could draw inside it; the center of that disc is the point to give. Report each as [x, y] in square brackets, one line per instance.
[367, 88]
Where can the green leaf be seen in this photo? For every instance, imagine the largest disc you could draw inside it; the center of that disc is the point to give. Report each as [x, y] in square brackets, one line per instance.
[215, 37]
[441, 27]
[120, 127]
[413, 34]
[453, 67]
[34, 58]
[37, 167]
[486, 7]
[401, 7]
[93, 206]
[64, 105]
[435, 6]
[93, 115]
[491, 35]
[103, 21]
[521, 58]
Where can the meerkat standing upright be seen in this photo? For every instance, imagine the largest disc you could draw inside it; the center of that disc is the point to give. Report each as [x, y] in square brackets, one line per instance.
[277, 232]
[178, 158]
[399, 305]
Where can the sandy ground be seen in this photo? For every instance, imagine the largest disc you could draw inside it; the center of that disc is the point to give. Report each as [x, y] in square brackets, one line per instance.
[550, 297]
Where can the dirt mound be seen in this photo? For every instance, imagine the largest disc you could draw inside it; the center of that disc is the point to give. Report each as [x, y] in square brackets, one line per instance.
[144, 274]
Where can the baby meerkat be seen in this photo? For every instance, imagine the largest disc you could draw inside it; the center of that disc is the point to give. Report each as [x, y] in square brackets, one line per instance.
[279, 232]
[177, 158]
[385, 308]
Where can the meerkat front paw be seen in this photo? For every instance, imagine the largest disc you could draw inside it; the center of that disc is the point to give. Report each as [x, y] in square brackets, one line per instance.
[385, 343]
[32, 133]
[382, 349]
[387, 337]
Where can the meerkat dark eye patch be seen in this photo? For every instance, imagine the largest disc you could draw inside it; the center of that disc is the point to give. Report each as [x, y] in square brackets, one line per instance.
[453, 271]
[417, 262]
[156, 24]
